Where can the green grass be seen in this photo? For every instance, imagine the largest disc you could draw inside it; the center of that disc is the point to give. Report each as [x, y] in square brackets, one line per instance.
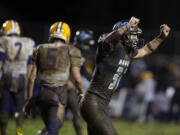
[30, 127]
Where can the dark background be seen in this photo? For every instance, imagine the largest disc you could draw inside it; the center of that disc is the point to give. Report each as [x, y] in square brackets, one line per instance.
[35, 17]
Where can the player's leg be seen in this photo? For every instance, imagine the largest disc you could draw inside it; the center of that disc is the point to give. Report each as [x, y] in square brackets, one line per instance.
[19, 116]
[56, 119]
[51, 103]
[4, 111]
[4, 103]
[101, 124]
[52, 115]
[19, 103]
[91, 130]
[74, 106]
[93, 110]
[42, 132]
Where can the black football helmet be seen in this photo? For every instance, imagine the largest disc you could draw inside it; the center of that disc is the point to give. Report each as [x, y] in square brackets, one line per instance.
[84, 37]
[139, 42]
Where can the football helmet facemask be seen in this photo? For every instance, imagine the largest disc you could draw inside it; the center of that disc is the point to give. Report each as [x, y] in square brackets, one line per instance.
[131, 37]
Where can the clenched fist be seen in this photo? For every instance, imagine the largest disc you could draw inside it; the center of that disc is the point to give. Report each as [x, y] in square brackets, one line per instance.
[134, 21]
[164, 30]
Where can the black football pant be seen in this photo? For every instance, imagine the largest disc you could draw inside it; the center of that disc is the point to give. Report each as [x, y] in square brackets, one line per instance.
[94, 112]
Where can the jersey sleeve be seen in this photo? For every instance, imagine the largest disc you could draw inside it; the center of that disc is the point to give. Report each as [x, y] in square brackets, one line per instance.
[75, 56]
[108, 40]
[2, 51]
[114, 35]
[31, 48]
[35, 55]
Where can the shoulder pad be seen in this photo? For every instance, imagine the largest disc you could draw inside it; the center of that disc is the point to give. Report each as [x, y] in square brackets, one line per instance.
[29, 40]
[74, 50]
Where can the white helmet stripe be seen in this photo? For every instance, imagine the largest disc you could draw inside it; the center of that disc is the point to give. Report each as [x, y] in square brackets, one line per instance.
[13, 25]
[59, 27]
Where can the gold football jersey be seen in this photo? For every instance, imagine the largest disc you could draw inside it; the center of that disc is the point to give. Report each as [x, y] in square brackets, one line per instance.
[54, 61]
[17, 50]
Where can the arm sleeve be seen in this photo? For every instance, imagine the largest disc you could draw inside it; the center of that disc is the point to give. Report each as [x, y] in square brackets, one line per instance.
[106, 42]
[29, 60]
[114, 35]
[75, 56]
[2, 51]
[31, 49]
[110, 39]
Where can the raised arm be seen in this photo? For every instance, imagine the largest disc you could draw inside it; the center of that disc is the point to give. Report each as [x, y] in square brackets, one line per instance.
[120, 31]
[153, 45]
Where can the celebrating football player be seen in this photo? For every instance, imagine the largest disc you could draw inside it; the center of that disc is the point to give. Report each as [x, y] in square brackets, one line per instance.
[115, 52]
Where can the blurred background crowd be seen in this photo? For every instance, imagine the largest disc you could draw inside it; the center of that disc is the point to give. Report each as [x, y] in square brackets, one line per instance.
[149, 92]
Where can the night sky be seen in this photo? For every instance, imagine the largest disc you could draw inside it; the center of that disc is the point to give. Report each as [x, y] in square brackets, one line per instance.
[95, 12]
[99, 15]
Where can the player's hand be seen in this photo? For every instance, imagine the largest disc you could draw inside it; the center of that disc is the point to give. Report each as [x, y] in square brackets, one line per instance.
[134, 21]
[28, 107]
[164, 30]
[80, 97]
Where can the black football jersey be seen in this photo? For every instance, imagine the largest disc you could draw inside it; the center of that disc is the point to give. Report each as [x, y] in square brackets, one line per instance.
[112, 61]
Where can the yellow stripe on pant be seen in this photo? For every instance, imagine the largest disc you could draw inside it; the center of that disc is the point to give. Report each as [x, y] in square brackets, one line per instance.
[60, 112]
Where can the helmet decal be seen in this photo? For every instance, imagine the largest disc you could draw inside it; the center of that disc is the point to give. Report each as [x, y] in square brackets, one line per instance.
[11, 27]
[60, 30]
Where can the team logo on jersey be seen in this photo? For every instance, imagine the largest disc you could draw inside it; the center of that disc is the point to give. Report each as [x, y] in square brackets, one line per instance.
[124, 62]
[122, 68]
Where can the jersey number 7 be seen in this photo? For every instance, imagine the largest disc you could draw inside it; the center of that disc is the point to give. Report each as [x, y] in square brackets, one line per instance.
[19, 50]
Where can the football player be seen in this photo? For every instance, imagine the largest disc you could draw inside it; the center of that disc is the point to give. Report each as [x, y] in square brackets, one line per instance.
[52, 63]
[84, 41]
[115, 52]
[16, 63]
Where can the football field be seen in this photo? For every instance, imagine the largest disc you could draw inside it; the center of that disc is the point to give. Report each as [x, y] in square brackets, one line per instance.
[124, 128]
